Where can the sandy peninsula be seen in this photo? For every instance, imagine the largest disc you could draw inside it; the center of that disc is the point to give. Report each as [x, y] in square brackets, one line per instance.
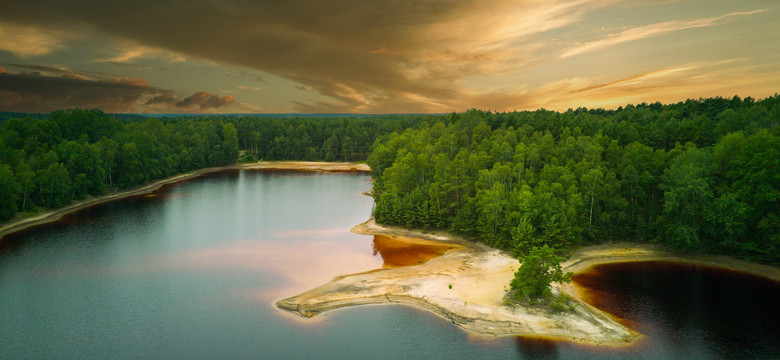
[54, 215]
[467, 285]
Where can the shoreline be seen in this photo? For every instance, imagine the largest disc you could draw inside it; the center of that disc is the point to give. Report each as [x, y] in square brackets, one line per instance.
[591, 256]
[56, 214]
[480, 275]
[466, 286]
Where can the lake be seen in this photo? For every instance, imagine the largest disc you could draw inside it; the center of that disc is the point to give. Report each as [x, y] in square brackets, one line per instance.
[192, 271]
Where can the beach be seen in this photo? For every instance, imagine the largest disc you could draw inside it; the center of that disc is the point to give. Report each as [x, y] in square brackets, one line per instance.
[468, 284]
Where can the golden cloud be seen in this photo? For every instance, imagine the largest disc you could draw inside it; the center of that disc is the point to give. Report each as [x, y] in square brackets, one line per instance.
[376, 56]
[643, 32]
[25, 41]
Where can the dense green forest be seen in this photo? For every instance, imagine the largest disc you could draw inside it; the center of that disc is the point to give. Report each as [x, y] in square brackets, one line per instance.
[699, 175]
[317, 138]
[47, 161]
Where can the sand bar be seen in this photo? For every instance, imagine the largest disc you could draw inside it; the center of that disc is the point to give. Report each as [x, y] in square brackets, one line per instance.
[479, 277]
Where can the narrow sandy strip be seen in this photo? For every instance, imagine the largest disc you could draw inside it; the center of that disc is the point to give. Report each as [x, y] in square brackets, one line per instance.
[479, 277]
[306, 166]
[54, 215]
[594, 255]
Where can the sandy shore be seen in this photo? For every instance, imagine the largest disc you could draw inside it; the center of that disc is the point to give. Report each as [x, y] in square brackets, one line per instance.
[479, 277]
[594, 255]
[54, 215]
[306, 166]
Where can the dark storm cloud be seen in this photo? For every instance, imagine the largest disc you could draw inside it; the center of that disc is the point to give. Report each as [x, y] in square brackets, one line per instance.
[36, 93]
[203, 100]
[165, 99]
[33, 92]
[44, 68]
[65, 72]
[354, 51]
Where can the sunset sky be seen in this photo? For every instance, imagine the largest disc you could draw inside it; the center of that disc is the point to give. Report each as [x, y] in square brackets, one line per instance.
[381, 56]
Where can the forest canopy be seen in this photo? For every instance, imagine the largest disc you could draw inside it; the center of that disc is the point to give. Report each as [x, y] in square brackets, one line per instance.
[47, 161]
[701, 175]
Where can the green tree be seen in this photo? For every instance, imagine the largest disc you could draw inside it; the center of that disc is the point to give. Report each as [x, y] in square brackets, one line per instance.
[229, 144]
[131, 166]
[540, 268]
[9, 192]
[687, 198]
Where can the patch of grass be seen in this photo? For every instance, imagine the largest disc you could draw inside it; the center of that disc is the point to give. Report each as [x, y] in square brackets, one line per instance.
[561, 303]
[550, 303]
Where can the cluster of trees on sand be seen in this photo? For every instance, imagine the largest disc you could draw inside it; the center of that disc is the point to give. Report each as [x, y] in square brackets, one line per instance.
[701, 175]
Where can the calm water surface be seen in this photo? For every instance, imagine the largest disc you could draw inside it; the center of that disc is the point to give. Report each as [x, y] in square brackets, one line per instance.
[690, 311]
[192, 272]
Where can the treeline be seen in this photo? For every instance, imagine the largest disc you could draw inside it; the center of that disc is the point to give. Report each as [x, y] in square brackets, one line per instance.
[700, 175]
[48, 162]
[316, 138]
[311, 137]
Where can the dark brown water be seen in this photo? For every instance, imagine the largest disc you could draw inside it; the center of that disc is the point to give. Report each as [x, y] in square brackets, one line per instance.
[690, 311]
[396, 252]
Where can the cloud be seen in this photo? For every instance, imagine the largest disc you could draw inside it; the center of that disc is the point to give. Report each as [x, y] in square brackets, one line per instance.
[668, 84]
[647, 31]
[166, 99]
[130, 81]
[36, 92]
[48, 71]
[26, 41]
[203, 100]
[129, 52]
[3, 70]
[378, 56]
[200, 101]
[363, 56]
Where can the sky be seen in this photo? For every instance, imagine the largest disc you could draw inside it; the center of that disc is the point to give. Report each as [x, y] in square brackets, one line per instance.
[381, 56]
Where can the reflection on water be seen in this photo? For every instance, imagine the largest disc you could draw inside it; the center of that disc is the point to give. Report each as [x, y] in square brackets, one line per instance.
[400, 251]
[192, 273]
[690, 311]
[536, 348]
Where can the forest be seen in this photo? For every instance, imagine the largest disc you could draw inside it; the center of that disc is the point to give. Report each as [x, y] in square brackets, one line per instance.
[48, 161]
[69, 155]
[700, 175]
